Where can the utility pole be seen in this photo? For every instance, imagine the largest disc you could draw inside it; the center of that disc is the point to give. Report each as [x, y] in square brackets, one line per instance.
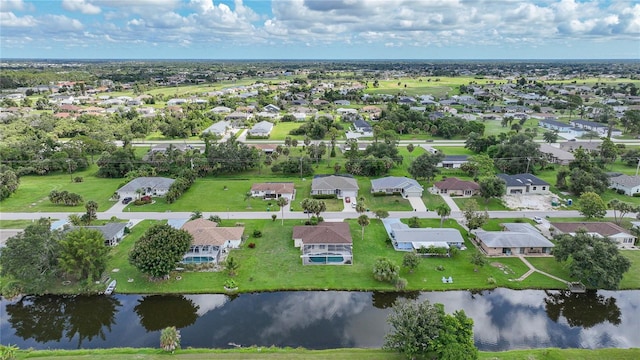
[638, 167]
[528, 161]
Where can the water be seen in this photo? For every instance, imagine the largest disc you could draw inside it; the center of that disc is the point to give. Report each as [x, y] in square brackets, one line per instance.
[504, 319]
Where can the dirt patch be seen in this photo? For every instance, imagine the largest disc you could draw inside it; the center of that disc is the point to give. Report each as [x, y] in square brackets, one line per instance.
[529, 202]
[504, 268]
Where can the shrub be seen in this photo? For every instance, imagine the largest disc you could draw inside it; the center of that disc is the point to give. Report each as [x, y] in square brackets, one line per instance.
[379, 193]
[491, 281]
[401, 283]
[78, 179]
[170, 339]
[230, 284]
[440, 268]
[636, 195]
[257, 233]
[252, 245]
[324, 196]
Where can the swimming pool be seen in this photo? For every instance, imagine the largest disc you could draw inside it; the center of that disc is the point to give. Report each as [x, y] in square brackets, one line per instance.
[198, 260]
[324, 259]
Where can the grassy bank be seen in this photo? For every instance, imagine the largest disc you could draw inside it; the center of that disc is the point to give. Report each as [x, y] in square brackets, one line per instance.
[333, 354]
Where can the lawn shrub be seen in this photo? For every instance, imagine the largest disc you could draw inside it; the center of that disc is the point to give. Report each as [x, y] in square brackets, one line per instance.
[257, 233]
[252, 245]
[325, 196]
[78, 179]
[379, 193]
[440, 268]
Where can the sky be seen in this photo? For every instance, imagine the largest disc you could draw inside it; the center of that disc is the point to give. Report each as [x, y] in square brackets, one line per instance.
[320, 29]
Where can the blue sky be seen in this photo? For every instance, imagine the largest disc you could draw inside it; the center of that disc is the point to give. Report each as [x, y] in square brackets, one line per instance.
[320, 29]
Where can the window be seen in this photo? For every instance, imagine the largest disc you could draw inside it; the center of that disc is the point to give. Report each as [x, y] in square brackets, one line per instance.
[535, 188]
[544, 188]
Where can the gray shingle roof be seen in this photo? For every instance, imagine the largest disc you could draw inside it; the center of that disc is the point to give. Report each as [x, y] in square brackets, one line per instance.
[516, 235]
[333, 182]
[394, 182]
[522, 180]
[108, 230]
[160, 183]
[626, 181]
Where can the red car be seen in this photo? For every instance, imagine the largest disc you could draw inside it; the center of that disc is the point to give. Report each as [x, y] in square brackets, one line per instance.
[347, 200]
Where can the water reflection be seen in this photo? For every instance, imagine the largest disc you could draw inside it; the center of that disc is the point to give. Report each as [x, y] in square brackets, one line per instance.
[47, 318]
[157, 312]
[385, 300]
[583, 310]
[503, 319]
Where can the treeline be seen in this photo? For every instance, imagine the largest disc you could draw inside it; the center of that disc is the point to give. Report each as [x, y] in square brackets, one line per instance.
[402, 120]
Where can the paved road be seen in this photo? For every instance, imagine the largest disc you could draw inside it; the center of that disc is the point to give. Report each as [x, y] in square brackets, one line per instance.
[292, 215]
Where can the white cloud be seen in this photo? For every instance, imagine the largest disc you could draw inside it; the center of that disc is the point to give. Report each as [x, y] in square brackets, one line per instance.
[59, 23]
[10, 19]
[82, 6]
[10, 5]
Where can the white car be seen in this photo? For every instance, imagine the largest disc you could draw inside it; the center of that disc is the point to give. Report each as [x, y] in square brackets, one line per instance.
[538, 219]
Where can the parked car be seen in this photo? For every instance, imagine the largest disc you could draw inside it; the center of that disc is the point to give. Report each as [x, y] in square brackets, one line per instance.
[537, 219]
[126, 200]
[353, 205]
[347, 199]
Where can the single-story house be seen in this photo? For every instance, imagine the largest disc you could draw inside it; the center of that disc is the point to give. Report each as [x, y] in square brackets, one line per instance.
[273, 190]
[555, 125]
[209, 241]
[340, 185]
[271, 108]
[600, 128]
[453, 161]
[219, 129]
[405, 238]
[221, 110]
[145, 186]
[556, 155]
[456, 187]
[362, 126]
[328, 243]
[112, 232]
[600, 229]
[516, 239]
[524, 184]
[627, 183]
[263, 128]
[395, 184]
[585, 145]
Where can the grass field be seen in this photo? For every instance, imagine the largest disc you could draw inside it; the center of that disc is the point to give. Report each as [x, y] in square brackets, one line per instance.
[268, 353]
[33, 193]
[274, 264]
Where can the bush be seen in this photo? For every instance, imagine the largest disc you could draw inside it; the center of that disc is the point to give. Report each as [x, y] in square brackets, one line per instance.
[230, 284]
[252, 245]
[170, 339]
[379, 193]
[78, 179]
[636, 195]
[325, 196]
[257, 233]
[401, 283]
[440, 268]
[491, 281]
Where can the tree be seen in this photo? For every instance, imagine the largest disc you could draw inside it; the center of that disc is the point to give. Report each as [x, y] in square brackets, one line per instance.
[492, 187]
[170, 339]
[30, 257]
[196, 215]
[9, 183]
[159, 249]
[363, 220]
[282, 202]
[92, 212]
[385, 270]
[443, 211]
[623, 208]
[426, 331]
[410, 149]
[381, 214]
[475, 219]
[231, 265]
[480, 165]
[410, 260]
[595, 261]
[592, 206]
[478, 260]
[83, 254]
[360, 207]
[425, 166]
[550, 136]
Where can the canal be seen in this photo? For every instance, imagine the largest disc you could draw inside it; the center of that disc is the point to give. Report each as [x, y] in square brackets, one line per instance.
[503, 319]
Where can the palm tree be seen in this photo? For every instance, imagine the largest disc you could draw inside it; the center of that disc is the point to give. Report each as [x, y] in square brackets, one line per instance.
[282, 202]
[443, 211]
[360, 208]
[92, 209]
[363, 220]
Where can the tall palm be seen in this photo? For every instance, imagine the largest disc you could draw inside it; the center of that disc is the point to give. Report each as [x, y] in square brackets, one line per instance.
[443, 211]
[282, 202]
[363, 220]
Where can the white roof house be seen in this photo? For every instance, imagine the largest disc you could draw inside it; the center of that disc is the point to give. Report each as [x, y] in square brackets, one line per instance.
[629, 184]
[220, 128]
[341, 186]
[152, 186]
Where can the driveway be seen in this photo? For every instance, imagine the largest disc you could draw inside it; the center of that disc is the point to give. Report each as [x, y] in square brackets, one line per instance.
[347, 206]
[416, 203]
[452, 204]
[116, 208]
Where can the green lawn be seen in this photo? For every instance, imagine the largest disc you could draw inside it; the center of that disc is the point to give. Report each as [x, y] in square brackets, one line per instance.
[494, 204]
[33, 193]
[281, 131]
[263, 268]
[389, 203]
[631, 279]
[15, 224]
[331, 354]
